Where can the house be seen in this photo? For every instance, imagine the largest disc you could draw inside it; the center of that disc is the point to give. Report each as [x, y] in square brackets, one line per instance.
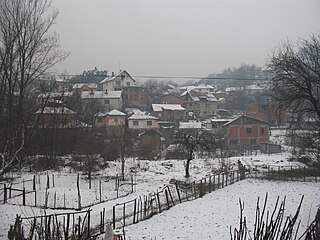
[267, 112]
[171, 98]
[150, 143]
[142, 121]
[202, 105]
[169, 112]
[104, 100]
[54, 116]
[215, 125]
[113, 118]
[204, 89]
[136, 96]
[116, 82]
[78, 88]
[190, 125]
[246, 132]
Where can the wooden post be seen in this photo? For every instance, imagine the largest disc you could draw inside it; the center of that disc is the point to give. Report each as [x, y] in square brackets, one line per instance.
[88, 233]
[124, 214]
[210, 186]
[4, 193]
[178, 192]
[222, 180]
[48, 186]
[167, 198]
[131, 183]
[218, 180]
[35, 198]
[135, 210]
[159, 203]
[79, 196]
[205, 183]
[226, 179]
[304, 174]
[214, 182]
[195, 190]
[169, 191]
[24, 197]
[34, 183]
[200, 192]
[55, 199]
[52, 180]
[114, 217]
[100, 187]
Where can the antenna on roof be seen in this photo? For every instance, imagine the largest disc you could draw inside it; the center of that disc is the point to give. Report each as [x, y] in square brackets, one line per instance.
[119, 66]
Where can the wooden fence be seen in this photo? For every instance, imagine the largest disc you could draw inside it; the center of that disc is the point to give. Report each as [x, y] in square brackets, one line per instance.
[144, 207]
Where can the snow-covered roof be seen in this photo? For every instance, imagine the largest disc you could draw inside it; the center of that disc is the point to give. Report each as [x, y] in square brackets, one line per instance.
[100, 94]
[142, 117]
[190, 125]
[173, 107]
[116, 112]
[108, 79]
[55, 110]
[80, 85]
[55, 94]
[253, 87]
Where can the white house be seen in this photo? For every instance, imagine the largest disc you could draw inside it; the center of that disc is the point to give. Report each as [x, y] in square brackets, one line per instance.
[142, 121]
[116, 82]
[108, 100]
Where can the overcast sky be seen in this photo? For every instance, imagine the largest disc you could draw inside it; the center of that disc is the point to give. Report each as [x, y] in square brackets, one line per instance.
[178, 37]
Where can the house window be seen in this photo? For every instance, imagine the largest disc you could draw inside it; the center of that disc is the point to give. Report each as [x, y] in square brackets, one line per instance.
[128, 83]
[248, 130]
[149, 123]
[190, 104]
[233, 141]
[115, 120]
[118, 83]
[107, 101]
[262, 130]
[135, 123]
[253, 141]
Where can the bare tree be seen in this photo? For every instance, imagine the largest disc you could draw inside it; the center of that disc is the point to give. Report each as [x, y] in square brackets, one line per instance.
[28, 49]
[296, 85]
[195, 140]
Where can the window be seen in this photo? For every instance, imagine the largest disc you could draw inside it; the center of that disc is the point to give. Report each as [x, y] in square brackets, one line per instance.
[253, 141]
[128, 83]
[149, 123]
[118, 83]
[233, 141]
[107, 101]
[262, 130]
[135, 123]
[115, 120]
[248, 130]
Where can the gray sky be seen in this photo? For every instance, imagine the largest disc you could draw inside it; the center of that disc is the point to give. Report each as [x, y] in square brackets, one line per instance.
[178, 37]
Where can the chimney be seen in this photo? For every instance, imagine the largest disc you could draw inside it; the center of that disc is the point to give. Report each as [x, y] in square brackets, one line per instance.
[112, 74]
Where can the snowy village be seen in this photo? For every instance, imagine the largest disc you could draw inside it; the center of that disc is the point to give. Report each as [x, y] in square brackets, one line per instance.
[118, 153]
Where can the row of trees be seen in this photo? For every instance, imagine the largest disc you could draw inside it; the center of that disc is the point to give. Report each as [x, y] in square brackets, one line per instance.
[28, 49]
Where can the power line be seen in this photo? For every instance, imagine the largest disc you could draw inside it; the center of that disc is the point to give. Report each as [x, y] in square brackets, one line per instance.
[201, 78]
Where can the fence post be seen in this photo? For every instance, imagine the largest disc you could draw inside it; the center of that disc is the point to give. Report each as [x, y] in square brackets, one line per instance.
[194, 189]
[88, 234]
[167, 197]
[135, 210]
[218, 180]
[214, 182]
[200, 193]
[159, 204]
[114, 217]
[178, 192]
[4, 193]
[304, 174]
[24, 197]
[100, 189]
[34, 182]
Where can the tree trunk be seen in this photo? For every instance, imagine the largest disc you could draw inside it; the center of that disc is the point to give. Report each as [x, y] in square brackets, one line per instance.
[187, 168]
[122, 167]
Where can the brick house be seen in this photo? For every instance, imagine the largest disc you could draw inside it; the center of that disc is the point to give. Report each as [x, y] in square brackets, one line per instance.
[246, 132]
[171, 98]
[78, 88]
[267, 112]
[136, 96]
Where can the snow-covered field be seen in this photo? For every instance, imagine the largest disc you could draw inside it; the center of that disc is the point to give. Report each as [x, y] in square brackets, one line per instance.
[208, 218]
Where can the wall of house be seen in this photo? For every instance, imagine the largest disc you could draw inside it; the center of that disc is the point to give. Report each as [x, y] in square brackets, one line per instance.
[170, 99]
[115, 120]
[239, 134]
[143, 124]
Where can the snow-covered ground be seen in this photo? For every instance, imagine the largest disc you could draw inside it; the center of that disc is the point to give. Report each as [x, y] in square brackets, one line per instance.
[209, 216]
